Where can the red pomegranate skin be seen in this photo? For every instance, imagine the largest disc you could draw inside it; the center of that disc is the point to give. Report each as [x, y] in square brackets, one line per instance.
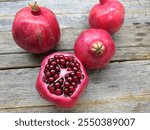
[36, 31]
[85, 43]
[108, 15]
[60, 100]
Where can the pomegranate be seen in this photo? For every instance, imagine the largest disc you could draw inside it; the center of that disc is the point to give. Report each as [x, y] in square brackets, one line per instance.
[95, 48]
[62, 79]
[36, 29]
[108, 15]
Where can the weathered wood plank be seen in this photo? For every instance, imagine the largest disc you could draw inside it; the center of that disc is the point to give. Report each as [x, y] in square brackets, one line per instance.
[65, 21]
[76, 16]
[10, 0]
[104, 93]
[132, 43]
[128, 36]
[24, 60]
[71, 7]
[68, 36]
[79, 20]
[121, 87]
[134, 105]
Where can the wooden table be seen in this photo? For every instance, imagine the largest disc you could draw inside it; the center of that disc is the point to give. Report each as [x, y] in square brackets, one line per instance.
[124, 86]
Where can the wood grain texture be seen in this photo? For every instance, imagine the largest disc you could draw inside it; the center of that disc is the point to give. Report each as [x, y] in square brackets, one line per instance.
[65, 21]
[77, 21]
[76, 16]
[124, 86]
[119, 86]
[10, 7]
[132, 43]
[126, 105]
[25, 60]
[128, 36]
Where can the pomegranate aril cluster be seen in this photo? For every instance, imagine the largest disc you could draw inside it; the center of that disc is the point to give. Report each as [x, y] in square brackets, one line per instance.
[63, 75]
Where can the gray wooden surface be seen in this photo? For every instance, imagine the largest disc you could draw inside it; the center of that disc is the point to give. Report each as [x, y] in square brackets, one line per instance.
[124, 86]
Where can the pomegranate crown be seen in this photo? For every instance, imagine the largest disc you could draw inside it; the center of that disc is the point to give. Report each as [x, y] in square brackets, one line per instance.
[34, 7]
[98, 48]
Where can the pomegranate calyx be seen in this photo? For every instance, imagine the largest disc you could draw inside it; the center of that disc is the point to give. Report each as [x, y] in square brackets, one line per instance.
[34, 7]
[98, 48]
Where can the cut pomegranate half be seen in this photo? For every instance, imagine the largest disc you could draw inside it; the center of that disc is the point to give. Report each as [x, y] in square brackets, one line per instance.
[61, 79]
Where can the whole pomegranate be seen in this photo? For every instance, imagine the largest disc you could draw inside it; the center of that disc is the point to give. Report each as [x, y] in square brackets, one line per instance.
[108, 15]
[95, 48]
[36, 29]
[62, 79]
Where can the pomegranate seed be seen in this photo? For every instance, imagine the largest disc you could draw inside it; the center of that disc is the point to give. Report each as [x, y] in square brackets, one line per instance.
[44, 79]
[77, 65]
[57, 60]
[72, 64]
[56, 56]
[78, 82]
[62, 61]
[61, 56]
[57, 85]
[51, 79]
[47, 74]
[82, 76]
[79, 74]
[69, 69]
[74, 84]
[66, 90]
[51, 67]
[72, 73]
[76, 62]
[58, 92]
[66, 58]
[60, 81]
[47, 66]
[53, 72]
[71, 58]
[69, 79]
[50, 60]
[67, 84]
[56, 76]
[75, 78]
[71, 89]
[54, 63]
[67, 64]
[75, 68]
[51, 89]
[79, 70]
[66, 76]
[49, 86]
[45, 71]
[69, 94]
[57, 69]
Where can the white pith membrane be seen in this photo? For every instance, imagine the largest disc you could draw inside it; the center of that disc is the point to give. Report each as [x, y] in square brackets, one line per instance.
[63, 75]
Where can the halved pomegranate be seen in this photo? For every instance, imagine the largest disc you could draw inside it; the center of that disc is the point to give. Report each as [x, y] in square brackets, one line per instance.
[62, 79]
